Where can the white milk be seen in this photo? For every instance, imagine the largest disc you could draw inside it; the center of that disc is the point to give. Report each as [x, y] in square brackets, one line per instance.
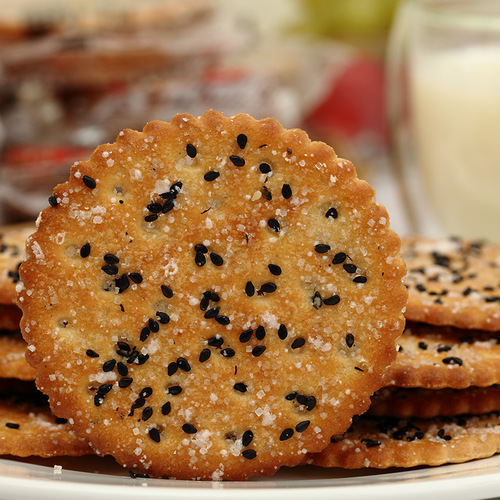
[455, 100]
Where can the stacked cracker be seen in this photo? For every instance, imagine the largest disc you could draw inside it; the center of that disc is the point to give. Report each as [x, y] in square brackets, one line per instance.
[441, 404]
[27, 426]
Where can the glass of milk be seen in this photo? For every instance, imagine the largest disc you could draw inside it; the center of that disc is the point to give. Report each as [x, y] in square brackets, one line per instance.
[444, 108]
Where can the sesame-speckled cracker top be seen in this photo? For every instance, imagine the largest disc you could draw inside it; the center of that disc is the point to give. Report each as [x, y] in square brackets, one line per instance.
[453, 282]
[212, 298]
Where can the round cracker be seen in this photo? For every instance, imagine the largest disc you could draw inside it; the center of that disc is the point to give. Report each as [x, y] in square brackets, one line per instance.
[28, 428]
[10, 317]
[453, 282]
[436, 357]
[13, 362]
[235, 342]
[384, 443]
[12, 243]
[429, 403]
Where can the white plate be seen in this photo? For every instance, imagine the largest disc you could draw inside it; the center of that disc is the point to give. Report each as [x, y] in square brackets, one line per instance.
[92, 478]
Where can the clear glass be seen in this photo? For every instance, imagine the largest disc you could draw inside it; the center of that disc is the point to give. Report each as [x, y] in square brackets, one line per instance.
[444, 108]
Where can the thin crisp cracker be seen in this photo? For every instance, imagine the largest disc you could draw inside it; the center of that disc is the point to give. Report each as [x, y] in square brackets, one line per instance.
[12, 242]
[385, 442]
[434, 357]
[216, 290]
[453, 282]
[429, 403]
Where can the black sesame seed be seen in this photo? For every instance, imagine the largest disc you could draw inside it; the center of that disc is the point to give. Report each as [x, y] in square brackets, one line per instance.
[228, 353]
[247, 438]
[264, 168]
[249, 289]
[266, 194]
[104, 389]
[311, 403]
[154, 434]
[200, 259]
[135, 277]
[260, 332]
[125, 382]
[163, 318]
[183, 364]
[370, 443]
[189, 429]
[317, 301]
[146, 392]
[123, 346]
[122, 283]
[167, 206]
[240, 387]
[138, 403]
[122, 369]
[249, 454]
[301, 399]
[286, 191]
[422, 345]
[167, 291]
[282, 332]
[200, 248]
[274, 269]
[349, 339]
[110, 269]
[443, 348]
[331, 212]
[205, 301]
[246, 335]
[174, 390]
[331, 301]
[212, 313]
[144, 334]
[302, 426]
[215, 341]
[237, 161]
[286, 434]
[12, 425]
[109, 365]
[91, 354]
[267, 288]
[85, 250]
[166, 408]
[98, 400]
[155, 208]
[151, 218]
[172, 368]
[89, 182]
[258, 350]
[204, 355]
[339, 258]
[322, 248]
[274, 225]
[291, 396]
[453, 360]
[191, 150]
[217, 260]
[53, 201]
[297, 343]
[147, 413]
[349, 268]
[153, 325]
[211, 176]
[242, 141]
[360, 279]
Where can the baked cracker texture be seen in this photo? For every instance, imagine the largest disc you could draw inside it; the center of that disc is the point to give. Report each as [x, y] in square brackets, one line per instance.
[452, 281]
[28, 428]
[12, 243]
[212, 298]
[430, 403]
[437, 357]
[13, 362]
[383, 443]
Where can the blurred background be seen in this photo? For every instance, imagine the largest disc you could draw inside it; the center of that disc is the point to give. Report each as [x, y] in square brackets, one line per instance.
[73, 73]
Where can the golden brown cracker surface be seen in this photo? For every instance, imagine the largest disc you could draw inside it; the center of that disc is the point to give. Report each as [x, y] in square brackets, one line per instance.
[10, 317]
[219, 291]
[429, 403]
[383, 443]
[453, 282]
[29, 428]
[13, 362]
[433, 357]
[12, 242]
